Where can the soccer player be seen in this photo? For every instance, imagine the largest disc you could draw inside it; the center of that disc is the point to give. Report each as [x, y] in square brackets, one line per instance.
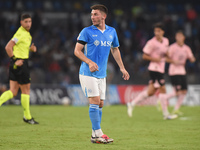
[19, 75]
[178, 53]
[155, 51]
[97, 40]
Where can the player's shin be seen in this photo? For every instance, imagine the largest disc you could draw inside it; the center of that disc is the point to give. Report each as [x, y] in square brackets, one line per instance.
[5, 97]
[179, 102]
[163, 101]
[140, 97]
[25, 101]
[95, 119]
[100, 114]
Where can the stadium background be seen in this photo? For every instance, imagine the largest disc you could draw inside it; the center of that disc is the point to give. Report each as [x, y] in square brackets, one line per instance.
[56, 25]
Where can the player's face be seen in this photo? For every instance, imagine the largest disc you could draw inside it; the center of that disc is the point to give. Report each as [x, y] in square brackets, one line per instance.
[26, 23]
[97, 17]
[180, 38]
[158, 32]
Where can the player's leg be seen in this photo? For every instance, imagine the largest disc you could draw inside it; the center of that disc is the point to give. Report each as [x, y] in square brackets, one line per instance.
[102, 92]
[90, 88]
[174, 84]
[142, 96]
[100, 109]
[14, 86]
[163, 97]
[164, 104]
[181, 95]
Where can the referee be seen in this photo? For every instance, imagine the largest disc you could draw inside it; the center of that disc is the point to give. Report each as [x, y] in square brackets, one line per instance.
[19, 74]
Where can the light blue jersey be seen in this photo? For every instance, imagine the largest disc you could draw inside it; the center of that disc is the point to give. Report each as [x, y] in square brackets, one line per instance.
[97, 48]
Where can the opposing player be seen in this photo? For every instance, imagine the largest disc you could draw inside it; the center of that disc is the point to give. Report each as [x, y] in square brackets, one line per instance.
[97, 40]
[178, 53]
[155, 51]
[19, 75]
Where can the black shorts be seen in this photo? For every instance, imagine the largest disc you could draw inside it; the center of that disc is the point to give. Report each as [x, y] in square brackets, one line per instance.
[20, 74]
[179, 82]
[157, 76]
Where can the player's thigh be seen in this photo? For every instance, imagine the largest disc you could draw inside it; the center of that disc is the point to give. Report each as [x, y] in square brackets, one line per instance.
[162, 89]
[151, 89]
[89, 86]
[14, 87]
[183, 82]
[102, 88]
[25, 88]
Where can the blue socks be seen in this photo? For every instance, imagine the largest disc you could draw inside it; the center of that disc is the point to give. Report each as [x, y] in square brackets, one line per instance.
[94, 116]
[100, 114]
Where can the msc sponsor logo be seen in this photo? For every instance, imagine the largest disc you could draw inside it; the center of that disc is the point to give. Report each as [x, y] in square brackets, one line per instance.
[103, 43]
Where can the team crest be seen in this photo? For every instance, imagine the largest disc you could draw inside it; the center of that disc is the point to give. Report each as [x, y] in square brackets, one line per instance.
[111, 36]
[96, 42]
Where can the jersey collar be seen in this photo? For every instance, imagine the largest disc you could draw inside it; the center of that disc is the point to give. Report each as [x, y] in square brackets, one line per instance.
[23, 29]
[94, 27]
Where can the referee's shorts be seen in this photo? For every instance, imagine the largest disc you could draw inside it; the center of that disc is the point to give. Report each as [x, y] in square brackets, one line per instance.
[21, 74]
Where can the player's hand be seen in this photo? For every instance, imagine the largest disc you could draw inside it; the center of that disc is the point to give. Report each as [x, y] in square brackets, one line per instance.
[19, 62]
[177, 63]
[93, 66]
[33, 48]
[125, 75]
[157, 60]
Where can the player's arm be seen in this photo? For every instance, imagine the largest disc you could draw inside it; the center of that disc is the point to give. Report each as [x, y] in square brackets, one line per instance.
[9, 51]
[169, 60]
[78, 53]
[117, 56]
[192, 59]
[149, 58]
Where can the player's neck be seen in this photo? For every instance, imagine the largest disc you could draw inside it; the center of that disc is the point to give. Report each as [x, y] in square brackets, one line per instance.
[180, 43]
[101, 26]
[159, 39]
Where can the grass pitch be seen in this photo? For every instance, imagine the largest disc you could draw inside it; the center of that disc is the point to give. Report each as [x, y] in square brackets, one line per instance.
[69, 128]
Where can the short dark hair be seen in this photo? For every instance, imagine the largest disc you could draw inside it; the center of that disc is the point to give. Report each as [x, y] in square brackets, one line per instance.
[180, 31]
[100, 7]
[25, 16]
[159, 25]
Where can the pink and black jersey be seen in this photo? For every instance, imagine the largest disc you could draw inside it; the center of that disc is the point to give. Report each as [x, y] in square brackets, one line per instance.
[179, 54]
[157, 49]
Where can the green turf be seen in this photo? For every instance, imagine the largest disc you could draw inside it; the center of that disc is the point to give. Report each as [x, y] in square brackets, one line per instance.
[69, 128]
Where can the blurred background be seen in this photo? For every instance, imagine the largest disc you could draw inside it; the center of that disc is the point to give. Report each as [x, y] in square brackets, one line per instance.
[57, 23]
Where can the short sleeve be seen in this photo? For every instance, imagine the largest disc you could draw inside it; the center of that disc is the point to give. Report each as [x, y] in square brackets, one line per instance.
[83, 36]
[148, 48]
[16, 38]
[189, 53]
[115, 42]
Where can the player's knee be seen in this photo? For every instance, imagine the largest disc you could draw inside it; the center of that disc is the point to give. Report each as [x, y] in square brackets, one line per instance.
[14, 92]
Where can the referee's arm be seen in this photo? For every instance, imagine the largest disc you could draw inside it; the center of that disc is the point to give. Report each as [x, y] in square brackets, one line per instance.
[78, 53]
[9, 48]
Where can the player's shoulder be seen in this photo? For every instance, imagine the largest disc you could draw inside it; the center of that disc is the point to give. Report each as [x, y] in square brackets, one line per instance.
[110, 28]
[166, 39]
[186, 46]
[87, 28]
[173, 44]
